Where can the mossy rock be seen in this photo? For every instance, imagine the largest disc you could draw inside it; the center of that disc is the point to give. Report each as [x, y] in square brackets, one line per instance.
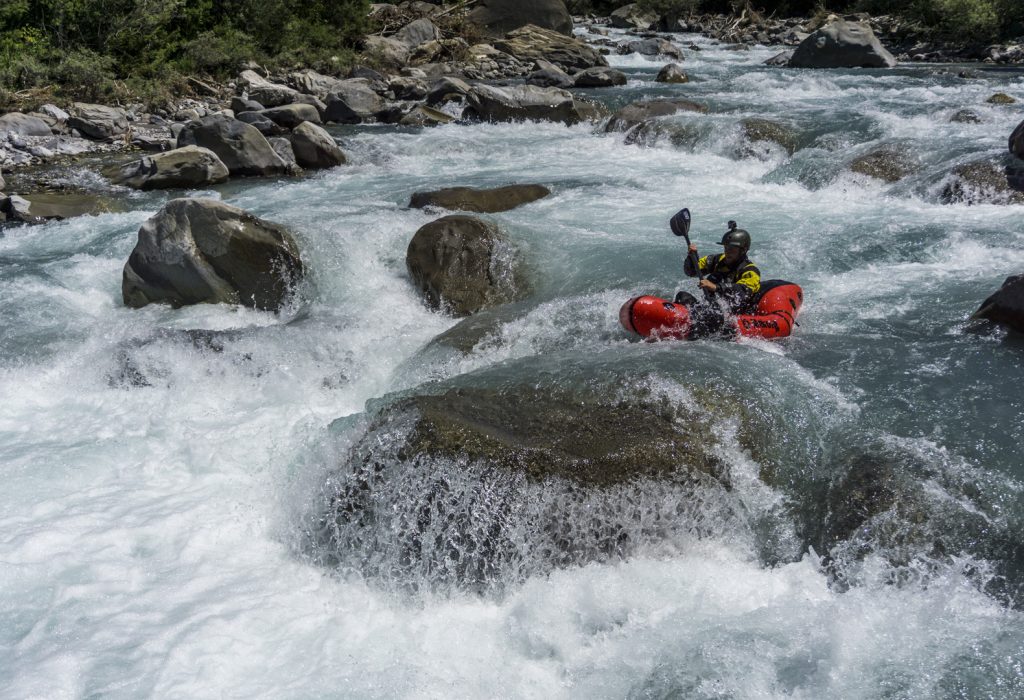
[756, 129]
[1001, 98]
[886, 163]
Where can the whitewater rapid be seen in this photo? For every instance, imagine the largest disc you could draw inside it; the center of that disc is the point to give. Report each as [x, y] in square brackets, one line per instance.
[160, 467]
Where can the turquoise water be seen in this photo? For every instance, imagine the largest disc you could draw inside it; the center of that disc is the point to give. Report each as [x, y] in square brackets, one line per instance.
[161, 467]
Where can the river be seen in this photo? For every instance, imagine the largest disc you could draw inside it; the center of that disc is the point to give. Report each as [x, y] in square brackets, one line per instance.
[161, 467]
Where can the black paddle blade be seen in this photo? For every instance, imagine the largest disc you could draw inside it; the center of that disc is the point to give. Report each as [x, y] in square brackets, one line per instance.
[680, 223]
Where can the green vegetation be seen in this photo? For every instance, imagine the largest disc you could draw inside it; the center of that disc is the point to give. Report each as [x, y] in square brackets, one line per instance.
[110, 49]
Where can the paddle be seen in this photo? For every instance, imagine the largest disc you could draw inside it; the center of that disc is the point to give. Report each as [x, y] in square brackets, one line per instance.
[680, 225]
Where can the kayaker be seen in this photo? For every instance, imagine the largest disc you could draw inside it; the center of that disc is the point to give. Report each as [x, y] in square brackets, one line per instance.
[730, 282]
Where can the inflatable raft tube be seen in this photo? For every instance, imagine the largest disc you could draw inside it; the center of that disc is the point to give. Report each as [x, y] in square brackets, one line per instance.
[774, 316]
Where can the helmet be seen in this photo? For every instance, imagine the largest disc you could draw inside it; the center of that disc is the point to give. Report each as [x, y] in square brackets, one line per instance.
[736, 237]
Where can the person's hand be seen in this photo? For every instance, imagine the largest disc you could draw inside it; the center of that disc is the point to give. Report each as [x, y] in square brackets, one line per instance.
[708, 285]
[693, 249]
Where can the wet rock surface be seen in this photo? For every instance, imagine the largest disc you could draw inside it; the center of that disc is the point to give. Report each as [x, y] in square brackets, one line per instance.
[202, 251]
[479, 200]
[464, 264]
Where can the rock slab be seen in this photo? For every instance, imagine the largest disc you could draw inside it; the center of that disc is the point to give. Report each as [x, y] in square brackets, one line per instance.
[479, 200]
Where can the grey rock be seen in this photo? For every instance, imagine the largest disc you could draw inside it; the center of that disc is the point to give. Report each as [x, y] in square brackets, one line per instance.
[463, 264]
[314, 102]
[1017, 141]
[550, 77]
[240, 146]
[965, 116]
[309, 82]
[523, 102]
[1006, 306]
[672, 73]
[408, 88]
[240, 104]
[290, 116]
[418, 32]
[1000, 98]
[531, 43]
[756, 129]
[267, 93]
[499, 17]
[56, 206]
[652, 47]
[887, 163]
[842, 44]
[633, 17]
[779, 59]
[202, 251]
[421, 115]
[598, 76]
[315, 148]
[446, 89]
[260, 121]
[386, 51]
[189, 166]
[479, 200]
[353, 102]
[283, 148]
[638, 112]
[55, 113]
[98, 121]
[980, 182]
[16, 124]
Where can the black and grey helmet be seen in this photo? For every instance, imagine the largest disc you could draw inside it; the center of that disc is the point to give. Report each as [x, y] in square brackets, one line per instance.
[736, 237]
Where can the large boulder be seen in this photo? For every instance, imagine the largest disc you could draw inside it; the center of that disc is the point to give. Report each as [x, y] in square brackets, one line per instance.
[1017, 141]
[888, 163]
[49, 206]
[265, 92]
[189, 166]
[478, 486]
[241, 147]
[549, 75]
[309, 82]
[498, 17]
[202, 251]
[386, 51]
[97, 121]
[638, 112]
[532, 43]
[525, 102]
[757, 130]
[463, 264]
[980, 182]
[651, 47]
[290, 116]
[18, 124]
[598, 76]
[315, 148]
[632, 16]
[842, 44]
[418, 32]
[1006, 306]
[352, 102]
[479, 200]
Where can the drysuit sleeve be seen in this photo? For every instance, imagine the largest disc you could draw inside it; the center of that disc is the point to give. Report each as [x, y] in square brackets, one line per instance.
[690, 270]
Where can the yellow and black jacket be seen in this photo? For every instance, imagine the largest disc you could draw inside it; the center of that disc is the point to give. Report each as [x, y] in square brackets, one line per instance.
[738, 285]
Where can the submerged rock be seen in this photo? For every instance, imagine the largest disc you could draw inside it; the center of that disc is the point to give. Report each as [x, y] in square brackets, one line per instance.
[638, 112]
[480, 487]
[755, 130]
[965, 116]
[980, 182]
[672, 73]
[49, 206]
[201, 251]
[842, 44]
[1006, 306]
[464, 264]
[1001, 98]
[886, 163]
[479, 200]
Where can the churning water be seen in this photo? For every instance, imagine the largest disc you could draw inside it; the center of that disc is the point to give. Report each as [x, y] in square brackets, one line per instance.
[165, 471]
